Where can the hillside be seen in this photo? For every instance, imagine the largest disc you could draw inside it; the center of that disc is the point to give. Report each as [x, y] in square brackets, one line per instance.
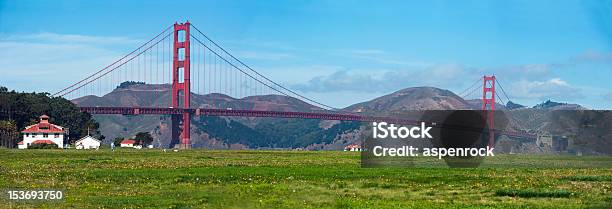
[146, 95]
[476, 104]
[550, 105]
[239, 132]
[213, 132]
[416, 98]
[253, 133]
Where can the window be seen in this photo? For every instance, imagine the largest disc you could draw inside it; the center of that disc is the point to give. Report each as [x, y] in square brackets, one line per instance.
[33, 135]
[45, 135]
[27, 134]
[56, 135]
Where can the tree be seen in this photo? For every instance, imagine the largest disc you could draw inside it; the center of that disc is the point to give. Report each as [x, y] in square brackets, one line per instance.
[127, 84]
[143, 138]
[118, 140]
[8, 126]
[25, 108]
[8, 133]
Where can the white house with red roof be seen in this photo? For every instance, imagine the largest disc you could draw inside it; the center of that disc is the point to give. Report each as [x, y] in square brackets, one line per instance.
[128, 143]
[43, 133]
[353, 148]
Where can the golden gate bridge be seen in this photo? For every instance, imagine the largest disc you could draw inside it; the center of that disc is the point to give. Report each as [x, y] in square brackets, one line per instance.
[187, 59]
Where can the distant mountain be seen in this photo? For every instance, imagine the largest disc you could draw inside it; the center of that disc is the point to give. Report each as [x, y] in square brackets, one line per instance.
[511, 105]
[416, 98]
[550, 105]
[255, 133]
[214, 132]
[147, 95]
[476, 104]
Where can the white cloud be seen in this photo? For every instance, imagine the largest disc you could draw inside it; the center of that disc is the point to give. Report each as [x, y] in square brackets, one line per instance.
[449, 76]
[518, 72]
[49, 62]
[296, 74]
[385, 80]
[47, 37]
[558, 82]
[555, 88]
[26, 53]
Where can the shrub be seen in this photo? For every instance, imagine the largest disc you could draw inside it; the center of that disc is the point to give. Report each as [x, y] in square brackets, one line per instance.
[588, 178]
[532, 193]
[43, 146]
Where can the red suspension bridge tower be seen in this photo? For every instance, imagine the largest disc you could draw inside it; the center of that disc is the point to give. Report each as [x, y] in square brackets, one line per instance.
[181, 84]
[488, 105]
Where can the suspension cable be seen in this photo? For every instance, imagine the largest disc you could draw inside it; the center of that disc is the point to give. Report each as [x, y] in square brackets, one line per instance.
[503, 103]
[137, 55]
[251, 69]
[471, 86]
[92, 75]
[471, 92]
[502, 88]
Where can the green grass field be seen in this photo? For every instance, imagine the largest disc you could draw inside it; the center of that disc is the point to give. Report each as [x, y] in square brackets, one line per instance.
[297, 179]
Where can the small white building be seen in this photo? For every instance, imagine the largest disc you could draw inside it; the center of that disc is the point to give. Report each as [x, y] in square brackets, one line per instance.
[87, 142]
[353, 148]
[42, 133]
[544, 140]
[127, 143]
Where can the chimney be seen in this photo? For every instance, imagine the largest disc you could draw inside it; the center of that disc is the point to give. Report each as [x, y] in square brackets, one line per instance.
[44, 119]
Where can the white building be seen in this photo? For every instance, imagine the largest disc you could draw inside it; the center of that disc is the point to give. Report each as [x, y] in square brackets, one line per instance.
[87, 142]
[353, 148]
[42, 133]
[544, 140]
[128, 143]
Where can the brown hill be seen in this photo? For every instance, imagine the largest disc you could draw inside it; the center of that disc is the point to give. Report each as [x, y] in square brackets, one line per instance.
[239, 132]
[146, 95]
[476, 104]
[550, 105]
[416, 98]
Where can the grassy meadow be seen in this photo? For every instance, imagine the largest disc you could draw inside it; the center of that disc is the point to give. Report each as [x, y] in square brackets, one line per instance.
[130, 178]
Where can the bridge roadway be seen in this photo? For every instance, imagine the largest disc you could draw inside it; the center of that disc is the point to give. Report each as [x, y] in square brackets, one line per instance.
[273, 114]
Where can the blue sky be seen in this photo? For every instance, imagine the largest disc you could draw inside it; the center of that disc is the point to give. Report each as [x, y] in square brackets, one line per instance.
[337, 52]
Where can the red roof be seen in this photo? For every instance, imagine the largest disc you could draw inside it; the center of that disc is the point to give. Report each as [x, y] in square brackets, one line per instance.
[44, 127]
[20, 143]
[128, 141]
[43, 142]
[350, 146]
